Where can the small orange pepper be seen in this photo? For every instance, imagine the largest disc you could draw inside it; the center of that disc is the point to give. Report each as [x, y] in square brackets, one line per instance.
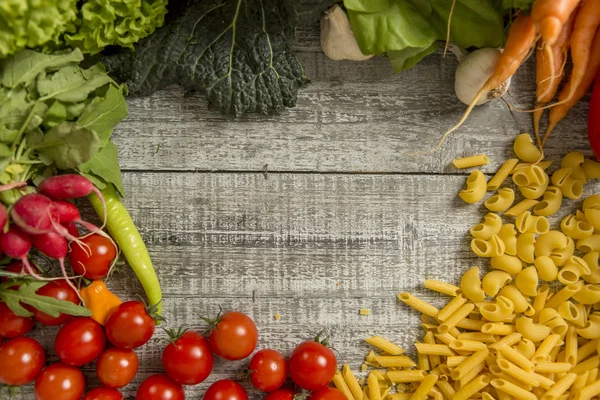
[99, 300]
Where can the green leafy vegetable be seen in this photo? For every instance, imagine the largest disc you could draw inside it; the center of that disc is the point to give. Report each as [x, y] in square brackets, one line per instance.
[56, 115]
[102, 23]
[409, 30]
[32, 23]
[25, 294]
[509, 5]
[233, 51]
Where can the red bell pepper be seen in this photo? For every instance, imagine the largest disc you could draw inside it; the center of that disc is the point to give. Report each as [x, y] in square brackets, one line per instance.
[594, 118]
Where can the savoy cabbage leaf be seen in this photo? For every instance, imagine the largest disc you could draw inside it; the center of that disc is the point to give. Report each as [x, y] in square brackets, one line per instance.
[234, 51]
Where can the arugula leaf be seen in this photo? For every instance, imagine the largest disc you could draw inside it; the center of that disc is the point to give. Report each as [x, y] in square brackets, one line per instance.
[233, 51]
[25, 294]
[24, 67]
[104, 165]
[104, 113]
[67, 145]
[72, 84]
[474, 22]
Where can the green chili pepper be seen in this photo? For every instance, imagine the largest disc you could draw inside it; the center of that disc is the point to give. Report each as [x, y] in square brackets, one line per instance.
[123, 230]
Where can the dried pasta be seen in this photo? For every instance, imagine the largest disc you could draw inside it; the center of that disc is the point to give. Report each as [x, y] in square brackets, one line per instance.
[471, 161]
[525, 149]
[476, 188]
[501, 175]
[489, 227]
[521, 207]
[570, 187]
[551, 202]
[501, 201]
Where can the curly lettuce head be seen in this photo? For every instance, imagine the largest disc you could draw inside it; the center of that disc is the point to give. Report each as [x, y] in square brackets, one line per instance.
[32, 23]
[103, 23]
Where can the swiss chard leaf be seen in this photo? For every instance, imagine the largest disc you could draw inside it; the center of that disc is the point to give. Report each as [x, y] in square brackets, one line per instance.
[104, 165]
[104, 113]
[25, 294]
[68, 145]
[233, 51]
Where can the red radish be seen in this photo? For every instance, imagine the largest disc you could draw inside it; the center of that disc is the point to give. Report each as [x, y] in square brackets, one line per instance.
[70, 186]
[54, 246]
[16, 244]
[72, 228]
[3, 217]
[34, 213]
[69, 213]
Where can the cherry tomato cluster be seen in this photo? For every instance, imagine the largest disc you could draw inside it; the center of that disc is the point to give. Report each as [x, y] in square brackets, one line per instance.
[79, 341]
[188, 360]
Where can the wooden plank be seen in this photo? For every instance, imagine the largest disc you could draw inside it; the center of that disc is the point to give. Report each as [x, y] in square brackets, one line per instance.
[353, 117]
[314, 248]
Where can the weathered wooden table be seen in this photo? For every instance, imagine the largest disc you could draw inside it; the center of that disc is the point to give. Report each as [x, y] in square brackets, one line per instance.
[342, 219]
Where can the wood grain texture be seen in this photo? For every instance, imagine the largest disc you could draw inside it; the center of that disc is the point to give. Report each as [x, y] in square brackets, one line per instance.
[314, 242]
[353, 117]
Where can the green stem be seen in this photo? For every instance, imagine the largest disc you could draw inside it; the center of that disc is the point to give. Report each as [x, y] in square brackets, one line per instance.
[20, 150]
[30, 162]
[24, 126]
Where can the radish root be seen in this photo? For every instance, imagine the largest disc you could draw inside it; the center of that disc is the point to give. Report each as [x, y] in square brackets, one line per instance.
[11, 186]
[448, 29]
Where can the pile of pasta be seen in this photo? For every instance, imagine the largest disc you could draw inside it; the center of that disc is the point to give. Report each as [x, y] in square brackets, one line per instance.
[530, 328]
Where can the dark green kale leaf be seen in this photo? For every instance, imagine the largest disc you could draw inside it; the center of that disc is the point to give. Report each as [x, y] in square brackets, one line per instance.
[234, 51]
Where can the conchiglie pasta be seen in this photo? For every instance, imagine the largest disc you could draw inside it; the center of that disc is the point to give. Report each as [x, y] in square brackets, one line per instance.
[525, 149]
[519, 300]
[508, 235]
[589, 244]
[507, 263]
[493, 281]
[470, 285]
[498, 311]
[532, 181]
[526, 247]
[570, 187]
[527, 281]
[490, 226]
[547, 270]
[592, 261]
[530, 223]
[591, 169]
[488, 248]
[576, 229]
[589, 294]
[476, 188]
[574, 160]
[501, 201]
[593, 217]
[532, 331]
[550, 203]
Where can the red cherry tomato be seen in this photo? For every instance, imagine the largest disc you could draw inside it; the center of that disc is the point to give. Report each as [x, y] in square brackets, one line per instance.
[225, 390]
[117, 367]
[327, 393]
[234, 337]
[268, 370]
[312, 366]
[59, 290]
[281, 394]
[22, 360]
[12, 325]
[95, 262]
[59, 382]
[103, 393]
[160, 387]
[189, 360]
[79, 341]
[129, 325]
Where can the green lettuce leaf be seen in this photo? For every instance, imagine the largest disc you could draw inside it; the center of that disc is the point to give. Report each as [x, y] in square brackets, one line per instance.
[32, 23]
[475, 23]
[233, 51]
[408, 58]
[399, 26]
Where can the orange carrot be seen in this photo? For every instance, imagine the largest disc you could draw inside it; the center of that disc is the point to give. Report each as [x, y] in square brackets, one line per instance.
[519, 42]
[550, 16]
[586, 24]
[548, 76]
[568, 97]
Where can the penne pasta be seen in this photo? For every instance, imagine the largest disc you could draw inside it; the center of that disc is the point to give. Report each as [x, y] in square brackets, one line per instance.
[385, 345]
[501, 175]
[471, 161]
[441, 287]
